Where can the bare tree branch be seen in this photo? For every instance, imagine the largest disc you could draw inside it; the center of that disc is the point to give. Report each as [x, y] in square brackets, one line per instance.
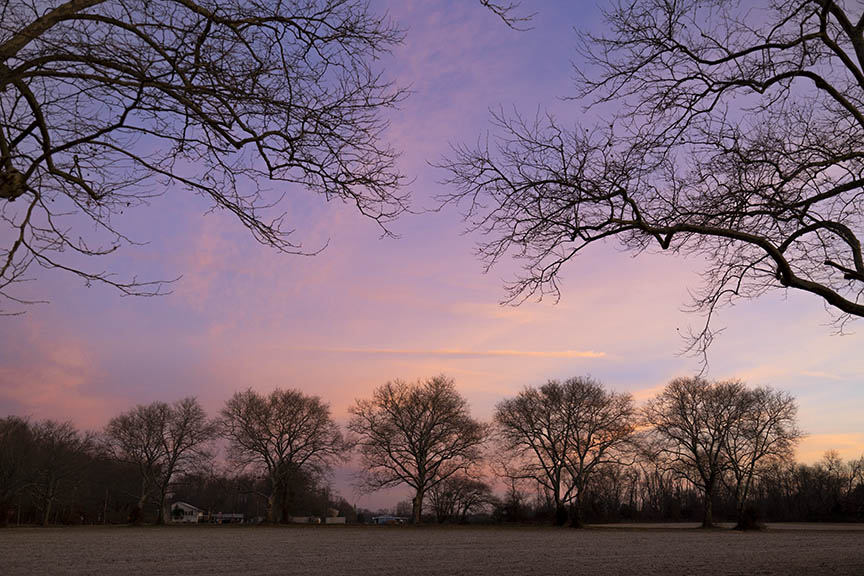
[106, 104]
[738, 138]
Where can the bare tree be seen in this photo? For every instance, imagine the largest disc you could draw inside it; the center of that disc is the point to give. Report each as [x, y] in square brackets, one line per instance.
[61, 455]
[458, 496]
[737, 135]
[104, 105]
[416, 434]
[534, 434]
[186, 443]
[692, 420]
[560, 434]
[765, 433]
[135, 437]
[16, 462]
[162, 440]
[280, 434]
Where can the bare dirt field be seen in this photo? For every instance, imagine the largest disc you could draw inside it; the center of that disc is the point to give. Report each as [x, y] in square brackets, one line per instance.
[644, 550]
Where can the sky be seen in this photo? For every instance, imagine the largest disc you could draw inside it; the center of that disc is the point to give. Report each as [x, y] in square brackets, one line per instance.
[369, 309]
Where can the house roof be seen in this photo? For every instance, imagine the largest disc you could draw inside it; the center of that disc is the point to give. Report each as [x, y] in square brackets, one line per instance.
[186, 505]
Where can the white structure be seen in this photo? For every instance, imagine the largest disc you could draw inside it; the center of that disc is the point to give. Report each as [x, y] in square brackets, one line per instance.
[184, 513]
[388, 519]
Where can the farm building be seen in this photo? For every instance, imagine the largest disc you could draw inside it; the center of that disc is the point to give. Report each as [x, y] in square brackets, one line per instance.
[184, 513]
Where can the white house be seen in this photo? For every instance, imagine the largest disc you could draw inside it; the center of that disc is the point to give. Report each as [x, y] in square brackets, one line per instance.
[184, 513]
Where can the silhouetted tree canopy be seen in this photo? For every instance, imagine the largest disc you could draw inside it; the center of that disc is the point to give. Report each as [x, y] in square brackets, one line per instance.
[765, 434]
[162, 441]
[459, 496]
[278, 435]
[415, 434]
[691, 420]
[729, 130]
[17, 461]
[50, 472]
[563, 433]
[62, 452]
[714, 433]
[105, 104]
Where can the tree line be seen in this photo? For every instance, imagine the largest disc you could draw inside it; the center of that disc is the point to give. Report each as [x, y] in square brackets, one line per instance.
[566, 452]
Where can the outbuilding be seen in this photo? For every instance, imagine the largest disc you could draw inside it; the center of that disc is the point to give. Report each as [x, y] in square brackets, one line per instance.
[183, 513]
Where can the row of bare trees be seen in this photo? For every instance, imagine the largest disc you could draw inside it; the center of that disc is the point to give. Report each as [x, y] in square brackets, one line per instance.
[43, 459]
[563, 434]
[583, 450]
[282, 438]
[648, 491]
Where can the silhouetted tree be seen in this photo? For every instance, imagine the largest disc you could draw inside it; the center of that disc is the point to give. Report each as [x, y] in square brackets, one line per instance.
[737, 135]
[61, 453]
[416, 434]
[458, 496]
[104, 105]
[278, 435]
[656, 484]
[765, 432]
[17, 460]
[161, 440]
[560, 434]
[692, 419]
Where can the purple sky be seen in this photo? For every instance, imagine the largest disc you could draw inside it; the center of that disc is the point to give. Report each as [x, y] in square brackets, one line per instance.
[368, 310]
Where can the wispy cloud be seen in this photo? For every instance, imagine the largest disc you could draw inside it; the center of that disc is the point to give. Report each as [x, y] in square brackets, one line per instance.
[462, 353]
[821, 375]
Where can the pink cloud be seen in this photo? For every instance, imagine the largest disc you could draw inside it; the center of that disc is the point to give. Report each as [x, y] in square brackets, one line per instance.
[49, 379]
[461, 353]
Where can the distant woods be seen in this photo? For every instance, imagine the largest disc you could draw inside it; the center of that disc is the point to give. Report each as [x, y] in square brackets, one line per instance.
[566, 452]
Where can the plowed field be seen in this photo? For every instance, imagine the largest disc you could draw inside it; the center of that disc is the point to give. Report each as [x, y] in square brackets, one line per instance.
[402, 550]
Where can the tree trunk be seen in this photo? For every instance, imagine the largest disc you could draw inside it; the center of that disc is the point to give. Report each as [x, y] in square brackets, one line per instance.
[560, 514]
[47, 516]
[747, 517]
[576, 512]
[271, 507]
[50, 491]
[160, 517]
[560, 510]
[417, 507]
[285, 506]
[708, 519]
[138, 511]
[741, 521]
